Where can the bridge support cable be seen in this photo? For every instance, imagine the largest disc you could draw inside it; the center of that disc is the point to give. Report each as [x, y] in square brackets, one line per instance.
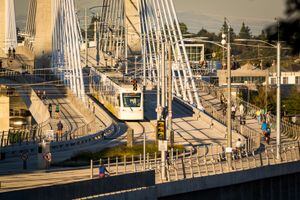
[160, 17]
[158, 26]
[66, 46]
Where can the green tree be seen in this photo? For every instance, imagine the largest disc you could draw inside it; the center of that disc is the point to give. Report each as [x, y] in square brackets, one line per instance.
[245, 32]
[210, 35]
[292, 102]
[183, 28]
[262, 36]
[224, 29]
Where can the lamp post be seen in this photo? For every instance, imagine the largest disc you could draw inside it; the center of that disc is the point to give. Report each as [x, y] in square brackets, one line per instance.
[229, 132]
[278, 103]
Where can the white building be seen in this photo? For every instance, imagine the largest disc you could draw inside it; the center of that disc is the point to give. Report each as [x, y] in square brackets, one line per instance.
[287, 78]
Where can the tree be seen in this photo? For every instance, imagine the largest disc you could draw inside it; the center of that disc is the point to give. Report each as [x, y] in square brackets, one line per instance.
[292, 102]
[183, 28]
[224, 29]
[288, 28]
[262, 36]
[245, 32]
[210, 35]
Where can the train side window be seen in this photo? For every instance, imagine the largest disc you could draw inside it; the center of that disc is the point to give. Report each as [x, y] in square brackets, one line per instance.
[118, 100]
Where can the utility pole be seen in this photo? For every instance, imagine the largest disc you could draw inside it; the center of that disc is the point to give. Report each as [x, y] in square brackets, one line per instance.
[135, 60]
[163, 77]
[97, 40]
[144, 61]
[86, 37]
[126, 50]
[170, 98]
[278, 109]
[229, 132]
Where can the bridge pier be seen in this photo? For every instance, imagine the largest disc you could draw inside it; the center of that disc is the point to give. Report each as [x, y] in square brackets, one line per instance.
[4, 113]
[8, 34]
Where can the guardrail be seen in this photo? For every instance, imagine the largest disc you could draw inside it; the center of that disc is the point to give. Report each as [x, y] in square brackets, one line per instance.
[287, 128]
[194, 164]
[291, 130]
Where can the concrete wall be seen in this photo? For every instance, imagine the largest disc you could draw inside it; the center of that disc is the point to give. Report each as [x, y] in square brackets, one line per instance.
[4, 113]
[37, 108]
[132, 23]
[234, 181]
[85, 188]
[43, 37]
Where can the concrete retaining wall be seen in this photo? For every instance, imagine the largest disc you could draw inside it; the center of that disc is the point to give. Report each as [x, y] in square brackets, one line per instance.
[228, 179]
[85, 188]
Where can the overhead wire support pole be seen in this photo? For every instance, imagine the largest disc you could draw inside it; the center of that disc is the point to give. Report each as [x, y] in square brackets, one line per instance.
[86, 37]
[278, 109]
[229, 132]
[170, 97]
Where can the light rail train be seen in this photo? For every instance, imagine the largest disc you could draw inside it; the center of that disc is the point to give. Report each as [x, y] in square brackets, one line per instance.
[118, 95]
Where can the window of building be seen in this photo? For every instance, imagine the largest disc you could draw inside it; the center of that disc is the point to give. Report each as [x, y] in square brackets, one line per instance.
[285, 80]
[273, 81]
[297, 80]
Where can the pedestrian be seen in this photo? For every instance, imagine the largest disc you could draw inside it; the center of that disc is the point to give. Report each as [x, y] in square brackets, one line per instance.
[44, 95]
[60, 127]
[168, 158]
[268, 134]
[102, 171]
[57, 111]
[9, 52]
[50, 109]
[233, 111]
[242, 112]
[39, 94]
[258, 117]
[24, 157]
[264, 127]
[48, 158]
[0, 63]
[262, 114]
[14, 53]
[268, 118]
[239, 145]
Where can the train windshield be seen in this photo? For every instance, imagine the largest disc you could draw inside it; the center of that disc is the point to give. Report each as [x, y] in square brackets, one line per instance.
[132, 99]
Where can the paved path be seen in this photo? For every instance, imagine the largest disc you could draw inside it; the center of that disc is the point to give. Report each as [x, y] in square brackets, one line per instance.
[250, 120]
[188, 131]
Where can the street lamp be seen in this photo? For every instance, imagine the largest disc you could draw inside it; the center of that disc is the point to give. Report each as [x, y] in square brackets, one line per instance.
[229, 132]
[278, 109]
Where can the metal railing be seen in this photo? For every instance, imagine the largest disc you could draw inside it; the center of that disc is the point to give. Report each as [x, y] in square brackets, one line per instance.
[194, 164]
[289, 129]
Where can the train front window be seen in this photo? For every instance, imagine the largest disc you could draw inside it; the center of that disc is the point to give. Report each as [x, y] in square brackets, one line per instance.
[132, 99]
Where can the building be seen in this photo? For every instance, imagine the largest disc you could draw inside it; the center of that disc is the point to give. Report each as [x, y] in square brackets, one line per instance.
[248, 75]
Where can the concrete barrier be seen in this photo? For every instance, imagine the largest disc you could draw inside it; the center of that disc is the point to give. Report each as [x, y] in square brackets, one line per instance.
[227, 179]
[85, 188]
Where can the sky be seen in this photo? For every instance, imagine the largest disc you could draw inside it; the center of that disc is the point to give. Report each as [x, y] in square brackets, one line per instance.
[208, 14]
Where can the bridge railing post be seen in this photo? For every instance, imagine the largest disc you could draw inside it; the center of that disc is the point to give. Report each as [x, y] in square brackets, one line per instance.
[91, 169]
[125, 163]
[117, 166]
[155, 160]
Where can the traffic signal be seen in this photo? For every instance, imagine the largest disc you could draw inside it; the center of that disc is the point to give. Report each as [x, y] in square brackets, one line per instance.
[161, 130]
[134, 84]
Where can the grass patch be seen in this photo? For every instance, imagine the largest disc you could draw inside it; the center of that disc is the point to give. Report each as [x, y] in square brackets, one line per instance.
[120, 151]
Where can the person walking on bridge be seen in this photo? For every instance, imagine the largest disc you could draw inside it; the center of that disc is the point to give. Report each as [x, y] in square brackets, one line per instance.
[50, 109]
[57, 111]
[102, 171]
[60, 127]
